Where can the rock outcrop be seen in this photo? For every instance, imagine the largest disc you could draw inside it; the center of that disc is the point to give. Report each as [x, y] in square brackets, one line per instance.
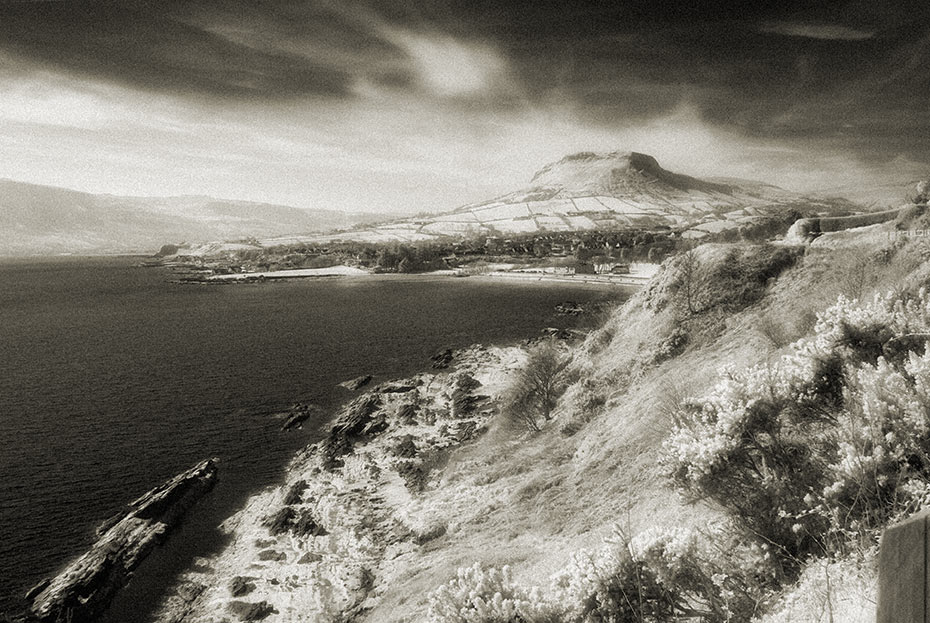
[357, 383]
[84, 589]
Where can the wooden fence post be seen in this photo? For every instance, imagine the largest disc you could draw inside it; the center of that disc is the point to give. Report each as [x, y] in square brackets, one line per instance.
[903, 588]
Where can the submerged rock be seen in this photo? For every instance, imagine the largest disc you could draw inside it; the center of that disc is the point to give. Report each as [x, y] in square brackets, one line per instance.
[569, 308]
[84, 589]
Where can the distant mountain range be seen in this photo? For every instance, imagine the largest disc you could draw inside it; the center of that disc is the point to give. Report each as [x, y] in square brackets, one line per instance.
[45, 220]
[588, 191]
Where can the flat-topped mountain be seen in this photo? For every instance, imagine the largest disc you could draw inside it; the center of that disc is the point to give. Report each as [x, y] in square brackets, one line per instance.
[617, 173]
[587, 191]
[45, 220]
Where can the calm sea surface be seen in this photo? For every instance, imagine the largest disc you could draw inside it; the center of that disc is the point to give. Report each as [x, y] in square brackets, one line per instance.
[113, 379]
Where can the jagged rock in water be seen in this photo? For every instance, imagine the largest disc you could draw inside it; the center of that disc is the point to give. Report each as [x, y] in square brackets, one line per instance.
[356, 383]
[298, 415]
[407, 413]
[560, 334]
[84, 589]
[251, 611]
[357, 416]
[569, 308]
[360, 418]
[296, 493]
[406, 448]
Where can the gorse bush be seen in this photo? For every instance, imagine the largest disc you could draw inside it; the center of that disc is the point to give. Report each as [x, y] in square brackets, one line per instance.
[659, 576]
[824, 448]
[477, 595]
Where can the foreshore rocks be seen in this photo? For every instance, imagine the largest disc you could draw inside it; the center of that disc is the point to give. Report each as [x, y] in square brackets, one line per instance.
[84, 589]
[349, 518]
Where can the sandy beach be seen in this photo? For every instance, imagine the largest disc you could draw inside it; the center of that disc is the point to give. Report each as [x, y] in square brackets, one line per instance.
[333, 271]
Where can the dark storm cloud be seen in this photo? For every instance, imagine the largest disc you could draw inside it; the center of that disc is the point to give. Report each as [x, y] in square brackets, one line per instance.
[149, 45]
[854, 69]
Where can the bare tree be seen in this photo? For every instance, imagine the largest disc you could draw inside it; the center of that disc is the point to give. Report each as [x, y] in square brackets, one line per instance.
[536, 387]
[689, 278]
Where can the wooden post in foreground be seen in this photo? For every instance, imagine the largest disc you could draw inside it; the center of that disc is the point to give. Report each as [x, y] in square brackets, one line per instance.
[903, 580]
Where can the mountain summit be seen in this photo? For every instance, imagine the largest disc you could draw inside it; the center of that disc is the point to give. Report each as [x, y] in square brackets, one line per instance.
[588, 173]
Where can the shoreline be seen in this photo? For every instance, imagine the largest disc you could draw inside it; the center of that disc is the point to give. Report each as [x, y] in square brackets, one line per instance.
[633, 280]
[346, 518]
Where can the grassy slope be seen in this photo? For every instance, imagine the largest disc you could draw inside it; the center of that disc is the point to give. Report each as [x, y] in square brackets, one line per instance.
[534, 500]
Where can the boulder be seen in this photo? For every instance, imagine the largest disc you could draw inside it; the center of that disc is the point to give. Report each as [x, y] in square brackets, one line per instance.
[298, 415]
[442, 360]
[923, 192]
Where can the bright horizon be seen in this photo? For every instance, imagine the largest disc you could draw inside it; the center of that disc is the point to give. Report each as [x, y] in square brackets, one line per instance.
[397, 108]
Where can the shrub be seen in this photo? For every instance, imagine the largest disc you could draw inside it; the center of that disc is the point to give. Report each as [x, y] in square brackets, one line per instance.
[825, 447]
[477, 595]
[671, 346]
[740, 280]
[703, 282]
[536, 386]
[661, 575]
[586, 399]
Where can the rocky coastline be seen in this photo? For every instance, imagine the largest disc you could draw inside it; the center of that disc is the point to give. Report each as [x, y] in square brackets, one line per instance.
[347, 518]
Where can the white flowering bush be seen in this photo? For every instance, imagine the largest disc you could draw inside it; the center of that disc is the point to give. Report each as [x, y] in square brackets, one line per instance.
[479, 595]
[661, 575]
[828, 444]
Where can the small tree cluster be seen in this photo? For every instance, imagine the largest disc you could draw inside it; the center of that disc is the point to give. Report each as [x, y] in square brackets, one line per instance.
[537, 386]
[732, 283]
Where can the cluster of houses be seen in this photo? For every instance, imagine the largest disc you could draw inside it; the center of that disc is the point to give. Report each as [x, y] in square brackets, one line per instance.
[600, 266]
[590, 268]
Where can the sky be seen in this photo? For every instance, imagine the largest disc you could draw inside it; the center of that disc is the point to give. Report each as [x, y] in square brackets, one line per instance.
[405, 106]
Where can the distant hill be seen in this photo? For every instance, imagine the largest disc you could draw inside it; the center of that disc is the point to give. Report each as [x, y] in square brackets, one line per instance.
[588, 191]
[45, 220]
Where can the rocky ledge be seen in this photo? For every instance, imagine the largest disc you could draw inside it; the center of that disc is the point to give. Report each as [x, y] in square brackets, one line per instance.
[84, 589]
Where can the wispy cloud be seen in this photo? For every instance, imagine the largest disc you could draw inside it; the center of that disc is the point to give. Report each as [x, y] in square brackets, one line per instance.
[450, 67]
[831, 32]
